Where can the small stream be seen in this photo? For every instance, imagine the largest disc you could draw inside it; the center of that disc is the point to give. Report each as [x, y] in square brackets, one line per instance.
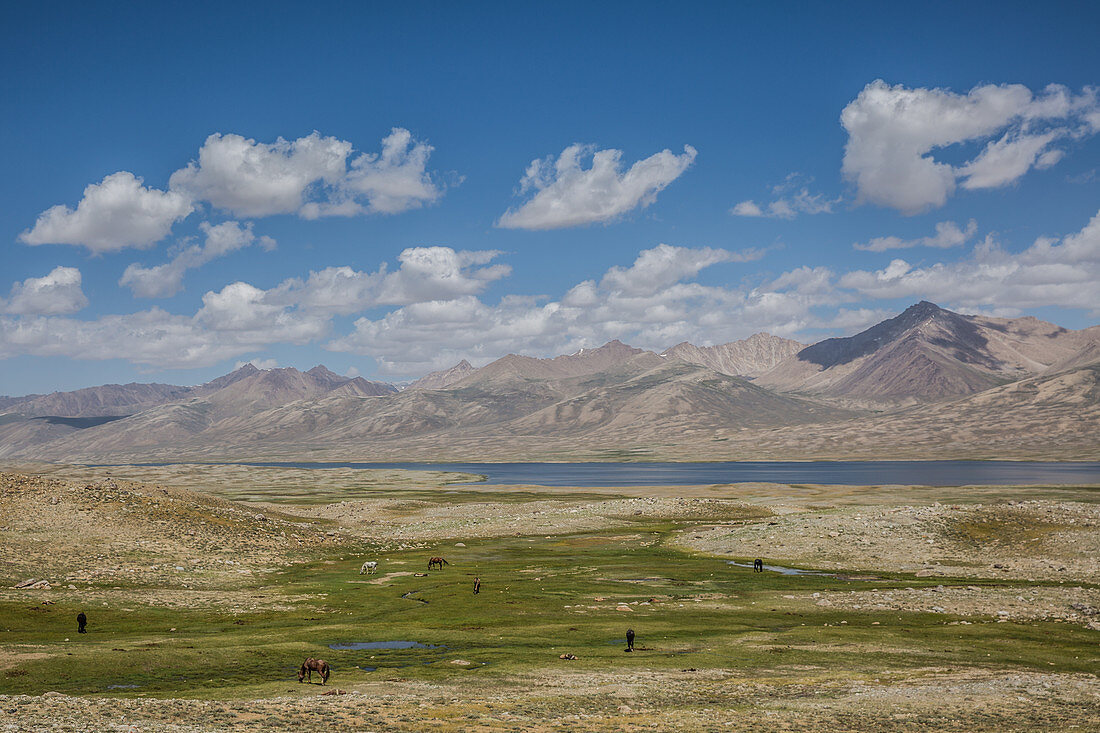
[799, 571]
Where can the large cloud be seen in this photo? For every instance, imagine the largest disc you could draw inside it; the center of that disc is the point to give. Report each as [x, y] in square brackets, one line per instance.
[1051, 272]
[232, 321]
[57, 293]
[567, 195]
[652, 303]
[424, 273]
[238, 319]
[436, 317]
[894, 130]
[309, 176]
[161, 281]
[117, 213]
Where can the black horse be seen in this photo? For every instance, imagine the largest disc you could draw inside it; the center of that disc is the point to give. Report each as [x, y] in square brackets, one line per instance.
[81, 622]
[630, 640]
[758, 565]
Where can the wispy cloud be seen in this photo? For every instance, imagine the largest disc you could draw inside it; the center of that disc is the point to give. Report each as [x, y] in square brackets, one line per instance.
[794, 198]
[948, 234]
[569, 195]
[162, 281]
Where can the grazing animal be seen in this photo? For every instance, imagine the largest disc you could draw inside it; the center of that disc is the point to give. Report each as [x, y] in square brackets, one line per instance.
[312, 665]
[477, 586]
[368, 567]
[81, 622]
[630, 640]
[437, 562]
[758, 565]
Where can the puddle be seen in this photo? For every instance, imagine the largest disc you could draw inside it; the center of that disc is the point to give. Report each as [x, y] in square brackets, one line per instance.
[407, 596]
[123, 687]
[346, 645]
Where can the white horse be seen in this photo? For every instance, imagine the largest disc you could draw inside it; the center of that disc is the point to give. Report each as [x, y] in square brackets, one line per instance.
[368, 567]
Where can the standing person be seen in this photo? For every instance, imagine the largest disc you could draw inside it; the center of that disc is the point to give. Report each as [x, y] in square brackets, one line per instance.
[477, 586]
[81, 622]
[630, 640]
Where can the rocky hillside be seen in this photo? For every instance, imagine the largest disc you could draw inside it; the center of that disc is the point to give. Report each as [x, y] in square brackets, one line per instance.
[444, 377]
[749, 357]
[927, 354]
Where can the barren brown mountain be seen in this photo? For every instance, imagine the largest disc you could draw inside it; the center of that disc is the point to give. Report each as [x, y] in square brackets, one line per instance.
[749, 357]
[955, 386]
[444, 377]
[926, 354]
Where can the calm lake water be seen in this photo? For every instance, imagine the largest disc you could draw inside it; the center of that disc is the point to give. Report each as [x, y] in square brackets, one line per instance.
[927, 473]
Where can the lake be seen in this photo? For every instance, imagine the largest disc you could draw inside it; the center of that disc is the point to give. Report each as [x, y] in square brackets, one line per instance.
[857, 473]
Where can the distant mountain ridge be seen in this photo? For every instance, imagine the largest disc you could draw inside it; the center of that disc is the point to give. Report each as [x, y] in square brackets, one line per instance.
[708, 402]
[926, 353]
[107, 399]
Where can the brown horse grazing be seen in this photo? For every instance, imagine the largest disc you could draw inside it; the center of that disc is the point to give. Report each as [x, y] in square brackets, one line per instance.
[312, 665]
[437, 562]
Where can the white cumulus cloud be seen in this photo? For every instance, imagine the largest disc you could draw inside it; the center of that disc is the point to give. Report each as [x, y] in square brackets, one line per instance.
[423, 274]
[309, 176]
[894, 131]
[57, 293]
[393, 181]
[114, 214]
[569, 195]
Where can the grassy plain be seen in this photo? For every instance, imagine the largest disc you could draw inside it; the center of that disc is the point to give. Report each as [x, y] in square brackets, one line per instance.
[719, 647]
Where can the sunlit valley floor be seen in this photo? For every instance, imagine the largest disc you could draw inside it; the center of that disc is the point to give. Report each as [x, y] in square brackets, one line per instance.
[206, 587]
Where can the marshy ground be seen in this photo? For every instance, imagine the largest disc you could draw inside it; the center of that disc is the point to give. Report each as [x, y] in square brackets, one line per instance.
[943, 609]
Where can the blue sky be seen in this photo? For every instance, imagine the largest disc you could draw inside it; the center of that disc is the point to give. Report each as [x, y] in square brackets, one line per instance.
[388, 189]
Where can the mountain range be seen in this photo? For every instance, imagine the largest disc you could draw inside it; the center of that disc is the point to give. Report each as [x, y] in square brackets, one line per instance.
[926, 383]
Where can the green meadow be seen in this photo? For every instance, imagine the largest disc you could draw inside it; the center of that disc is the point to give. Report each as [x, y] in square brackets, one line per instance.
[540, 597]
